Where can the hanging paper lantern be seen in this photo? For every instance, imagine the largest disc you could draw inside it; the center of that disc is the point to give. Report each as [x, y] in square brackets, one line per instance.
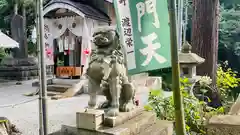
[66, 52]
[49, 51]
[86, 52]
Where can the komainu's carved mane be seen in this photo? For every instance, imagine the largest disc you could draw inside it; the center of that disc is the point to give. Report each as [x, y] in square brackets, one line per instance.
[107, 71]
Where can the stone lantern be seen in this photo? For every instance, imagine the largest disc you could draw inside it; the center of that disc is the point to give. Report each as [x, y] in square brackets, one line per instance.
[188, 61]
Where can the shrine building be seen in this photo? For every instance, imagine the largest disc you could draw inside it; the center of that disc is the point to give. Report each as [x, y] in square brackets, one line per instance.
[68, 27]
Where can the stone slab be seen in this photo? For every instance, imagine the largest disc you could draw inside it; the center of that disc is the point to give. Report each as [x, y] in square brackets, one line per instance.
[58, 88]
[75, 89]
[90, 119]
[143, 124]
[233, 120]
[37, 84]
[69, 82]
[224, 125]
[159, 128]
[123, 117]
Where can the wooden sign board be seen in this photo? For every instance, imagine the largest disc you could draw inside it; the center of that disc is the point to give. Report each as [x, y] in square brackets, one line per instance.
[66, 71]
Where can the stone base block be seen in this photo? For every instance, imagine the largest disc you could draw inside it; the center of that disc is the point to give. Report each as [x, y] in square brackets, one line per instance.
[21, 69]
[123, 117]
[224, 125]
[90, 119]
[143, 124]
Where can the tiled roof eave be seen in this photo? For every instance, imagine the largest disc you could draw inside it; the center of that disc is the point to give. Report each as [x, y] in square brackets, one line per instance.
[101, 17]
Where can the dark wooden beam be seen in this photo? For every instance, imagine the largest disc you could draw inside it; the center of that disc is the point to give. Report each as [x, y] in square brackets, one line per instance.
[57, 15]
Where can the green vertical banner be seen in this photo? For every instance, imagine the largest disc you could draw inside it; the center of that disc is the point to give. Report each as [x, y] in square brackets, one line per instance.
[145, 33]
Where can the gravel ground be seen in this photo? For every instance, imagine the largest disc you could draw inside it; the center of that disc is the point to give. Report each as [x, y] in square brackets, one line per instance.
[25, 116]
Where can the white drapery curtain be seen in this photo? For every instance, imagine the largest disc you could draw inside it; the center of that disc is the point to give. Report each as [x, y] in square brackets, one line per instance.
[75, 25]
[58, 26]
[78, 26]
[89, 26]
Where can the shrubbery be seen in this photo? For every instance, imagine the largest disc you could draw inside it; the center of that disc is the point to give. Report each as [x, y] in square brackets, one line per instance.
[197, 113]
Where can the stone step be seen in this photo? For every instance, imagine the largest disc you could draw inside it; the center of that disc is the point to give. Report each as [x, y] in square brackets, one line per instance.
[75, 89]
[62, 88]
[36, 83]
[52, 93]
[58, 81]
[58, 88]
[68, 82]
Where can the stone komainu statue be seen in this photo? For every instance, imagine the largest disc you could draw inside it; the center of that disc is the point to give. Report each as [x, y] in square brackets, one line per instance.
[107, 73]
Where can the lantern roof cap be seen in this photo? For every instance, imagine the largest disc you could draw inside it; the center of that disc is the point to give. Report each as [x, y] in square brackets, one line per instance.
[187, 57]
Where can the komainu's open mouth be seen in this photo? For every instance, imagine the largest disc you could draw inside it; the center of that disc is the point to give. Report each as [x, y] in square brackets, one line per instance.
[99, 39]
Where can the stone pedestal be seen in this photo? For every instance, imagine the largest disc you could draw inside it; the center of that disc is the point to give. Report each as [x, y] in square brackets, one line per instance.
[93, 119]
[20, 68]
[139, 123]
[224, 125]
[122, 118]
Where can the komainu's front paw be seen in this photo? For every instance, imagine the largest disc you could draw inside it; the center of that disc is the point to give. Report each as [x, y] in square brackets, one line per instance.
[127, 107]
[113, 112]
[92, 105]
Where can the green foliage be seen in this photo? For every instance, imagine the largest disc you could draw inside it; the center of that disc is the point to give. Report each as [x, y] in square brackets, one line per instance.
[226, 81]
[229, 30]
[229, 49]
[229, 34]
[229, 4]
[2, 53]
[6, 11]
[3, 5]
[196, 112]
[3, 121]
[32, 48]
[60, 62]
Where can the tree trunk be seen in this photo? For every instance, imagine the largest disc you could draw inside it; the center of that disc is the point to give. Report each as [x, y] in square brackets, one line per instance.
[205, 35]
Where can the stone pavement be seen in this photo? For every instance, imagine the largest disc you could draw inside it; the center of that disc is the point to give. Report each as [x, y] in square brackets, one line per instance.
[25, 116]
[4, 83]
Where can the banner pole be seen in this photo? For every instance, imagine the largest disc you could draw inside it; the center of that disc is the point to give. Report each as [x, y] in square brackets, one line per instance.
[43, 81]
[177, 96]
[41, 132]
